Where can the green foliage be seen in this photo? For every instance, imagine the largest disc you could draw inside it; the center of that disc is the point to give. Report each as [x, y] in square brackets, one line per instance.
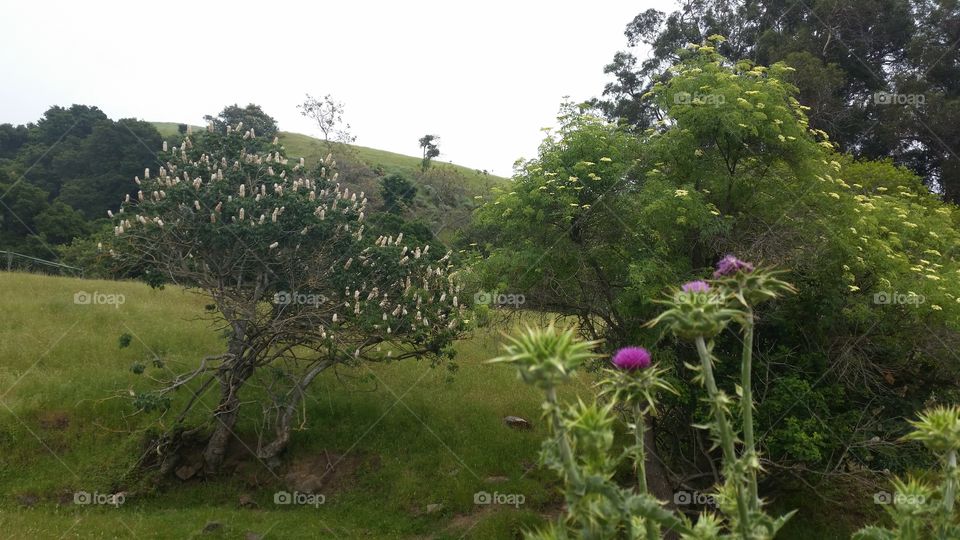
[397, 192]
[65, 171]
[924, 509]
[605, 219]
[429, 144]
[582, 450]
[251, 117]
[883, 82]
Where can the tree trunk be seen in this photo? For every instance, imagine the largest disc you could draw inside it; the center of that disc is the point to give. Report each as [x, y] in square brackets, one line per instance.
[658, 477]
[231, 376]
[226, 418]
[289, 412]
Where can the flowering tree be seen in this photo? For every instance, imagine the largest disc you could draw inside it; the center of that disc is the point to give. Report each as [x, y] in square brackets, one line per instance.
[295, 280]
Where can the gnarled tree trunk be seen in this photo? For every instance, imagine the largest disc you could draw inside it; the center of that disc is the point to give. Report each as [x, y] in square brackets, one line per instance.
[232, 376]
[289, 412]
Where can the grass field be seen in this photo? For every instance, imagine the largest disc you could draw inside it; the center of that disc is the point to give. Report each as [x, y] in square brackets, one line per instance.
[416, 436]
[408, 436]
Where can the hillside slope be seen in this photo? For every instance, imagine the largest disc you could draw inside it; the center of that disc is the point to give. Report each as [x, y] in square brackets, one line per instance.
[313, 149]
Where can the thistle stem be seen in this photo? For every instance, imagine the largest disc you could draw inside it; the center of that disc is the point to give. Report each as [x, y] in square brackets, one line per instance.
[566, 454]
[653, 530]
[951, 487]
[723, 427]
[746, 404]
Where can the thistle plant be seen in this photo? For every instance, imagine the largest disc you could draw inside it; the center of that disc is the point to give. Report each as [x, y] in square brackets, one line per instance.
[581, 447]
[699, 311]
[582, 436]
[924, 509]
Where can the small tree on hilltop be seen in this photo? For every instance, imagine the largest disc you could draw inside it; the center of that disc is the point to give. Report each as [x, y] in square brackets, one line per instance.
[328, 114]
[293, 279]
[431, 149]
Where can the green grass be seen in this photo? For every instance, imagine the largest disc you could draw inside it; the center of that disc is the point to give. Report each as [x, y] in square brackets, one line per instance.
[313, 149]
[66, 424]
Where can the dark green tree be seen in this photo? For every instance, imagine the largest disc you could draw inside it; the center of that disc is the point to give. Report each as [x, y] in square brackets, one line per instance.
[848, 55]
[397, 192]
[430, 146]
[252, 116]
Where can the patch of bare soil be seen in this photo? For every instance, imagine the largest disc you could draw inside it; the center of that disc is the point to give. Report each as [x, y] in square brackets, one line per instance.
[54, 420]
[322, 472]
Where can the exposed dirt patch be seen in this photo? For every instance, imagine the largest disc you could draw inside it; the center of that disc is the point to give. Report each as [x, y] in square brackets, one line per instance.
[54, 420]
[326, 472]
[321, 472]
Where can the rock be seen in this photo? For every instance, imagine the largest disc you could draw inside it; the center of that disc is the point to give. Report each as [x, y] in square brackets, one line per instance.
[250, 535]
[246, 501]
[516, 422]
[185, 472]
[434, 508]
[27, 499]
[212, 527]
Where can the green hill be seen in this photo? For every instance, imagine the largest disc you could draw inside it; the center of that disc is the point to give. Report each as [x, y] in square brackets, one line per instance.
[313, 149]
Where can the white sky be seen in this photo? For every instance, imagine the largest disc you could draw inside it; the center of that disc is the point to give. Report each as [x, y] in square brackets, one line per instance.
[485, 76]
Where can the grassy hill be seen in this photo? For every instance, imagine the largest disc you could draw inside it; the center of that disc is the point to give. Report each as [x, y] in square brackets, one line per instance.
[313, 149]
[407, 435]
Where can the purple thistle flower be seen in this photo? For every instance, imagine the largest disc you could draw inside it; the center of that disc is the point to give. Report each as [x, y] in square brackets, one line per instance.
[698, 286]
[632, 358]
[731, 265]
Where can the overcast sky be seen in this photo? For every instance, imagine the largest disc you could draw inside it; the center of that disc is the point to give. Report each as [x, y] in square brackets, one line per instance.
[484, 76]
